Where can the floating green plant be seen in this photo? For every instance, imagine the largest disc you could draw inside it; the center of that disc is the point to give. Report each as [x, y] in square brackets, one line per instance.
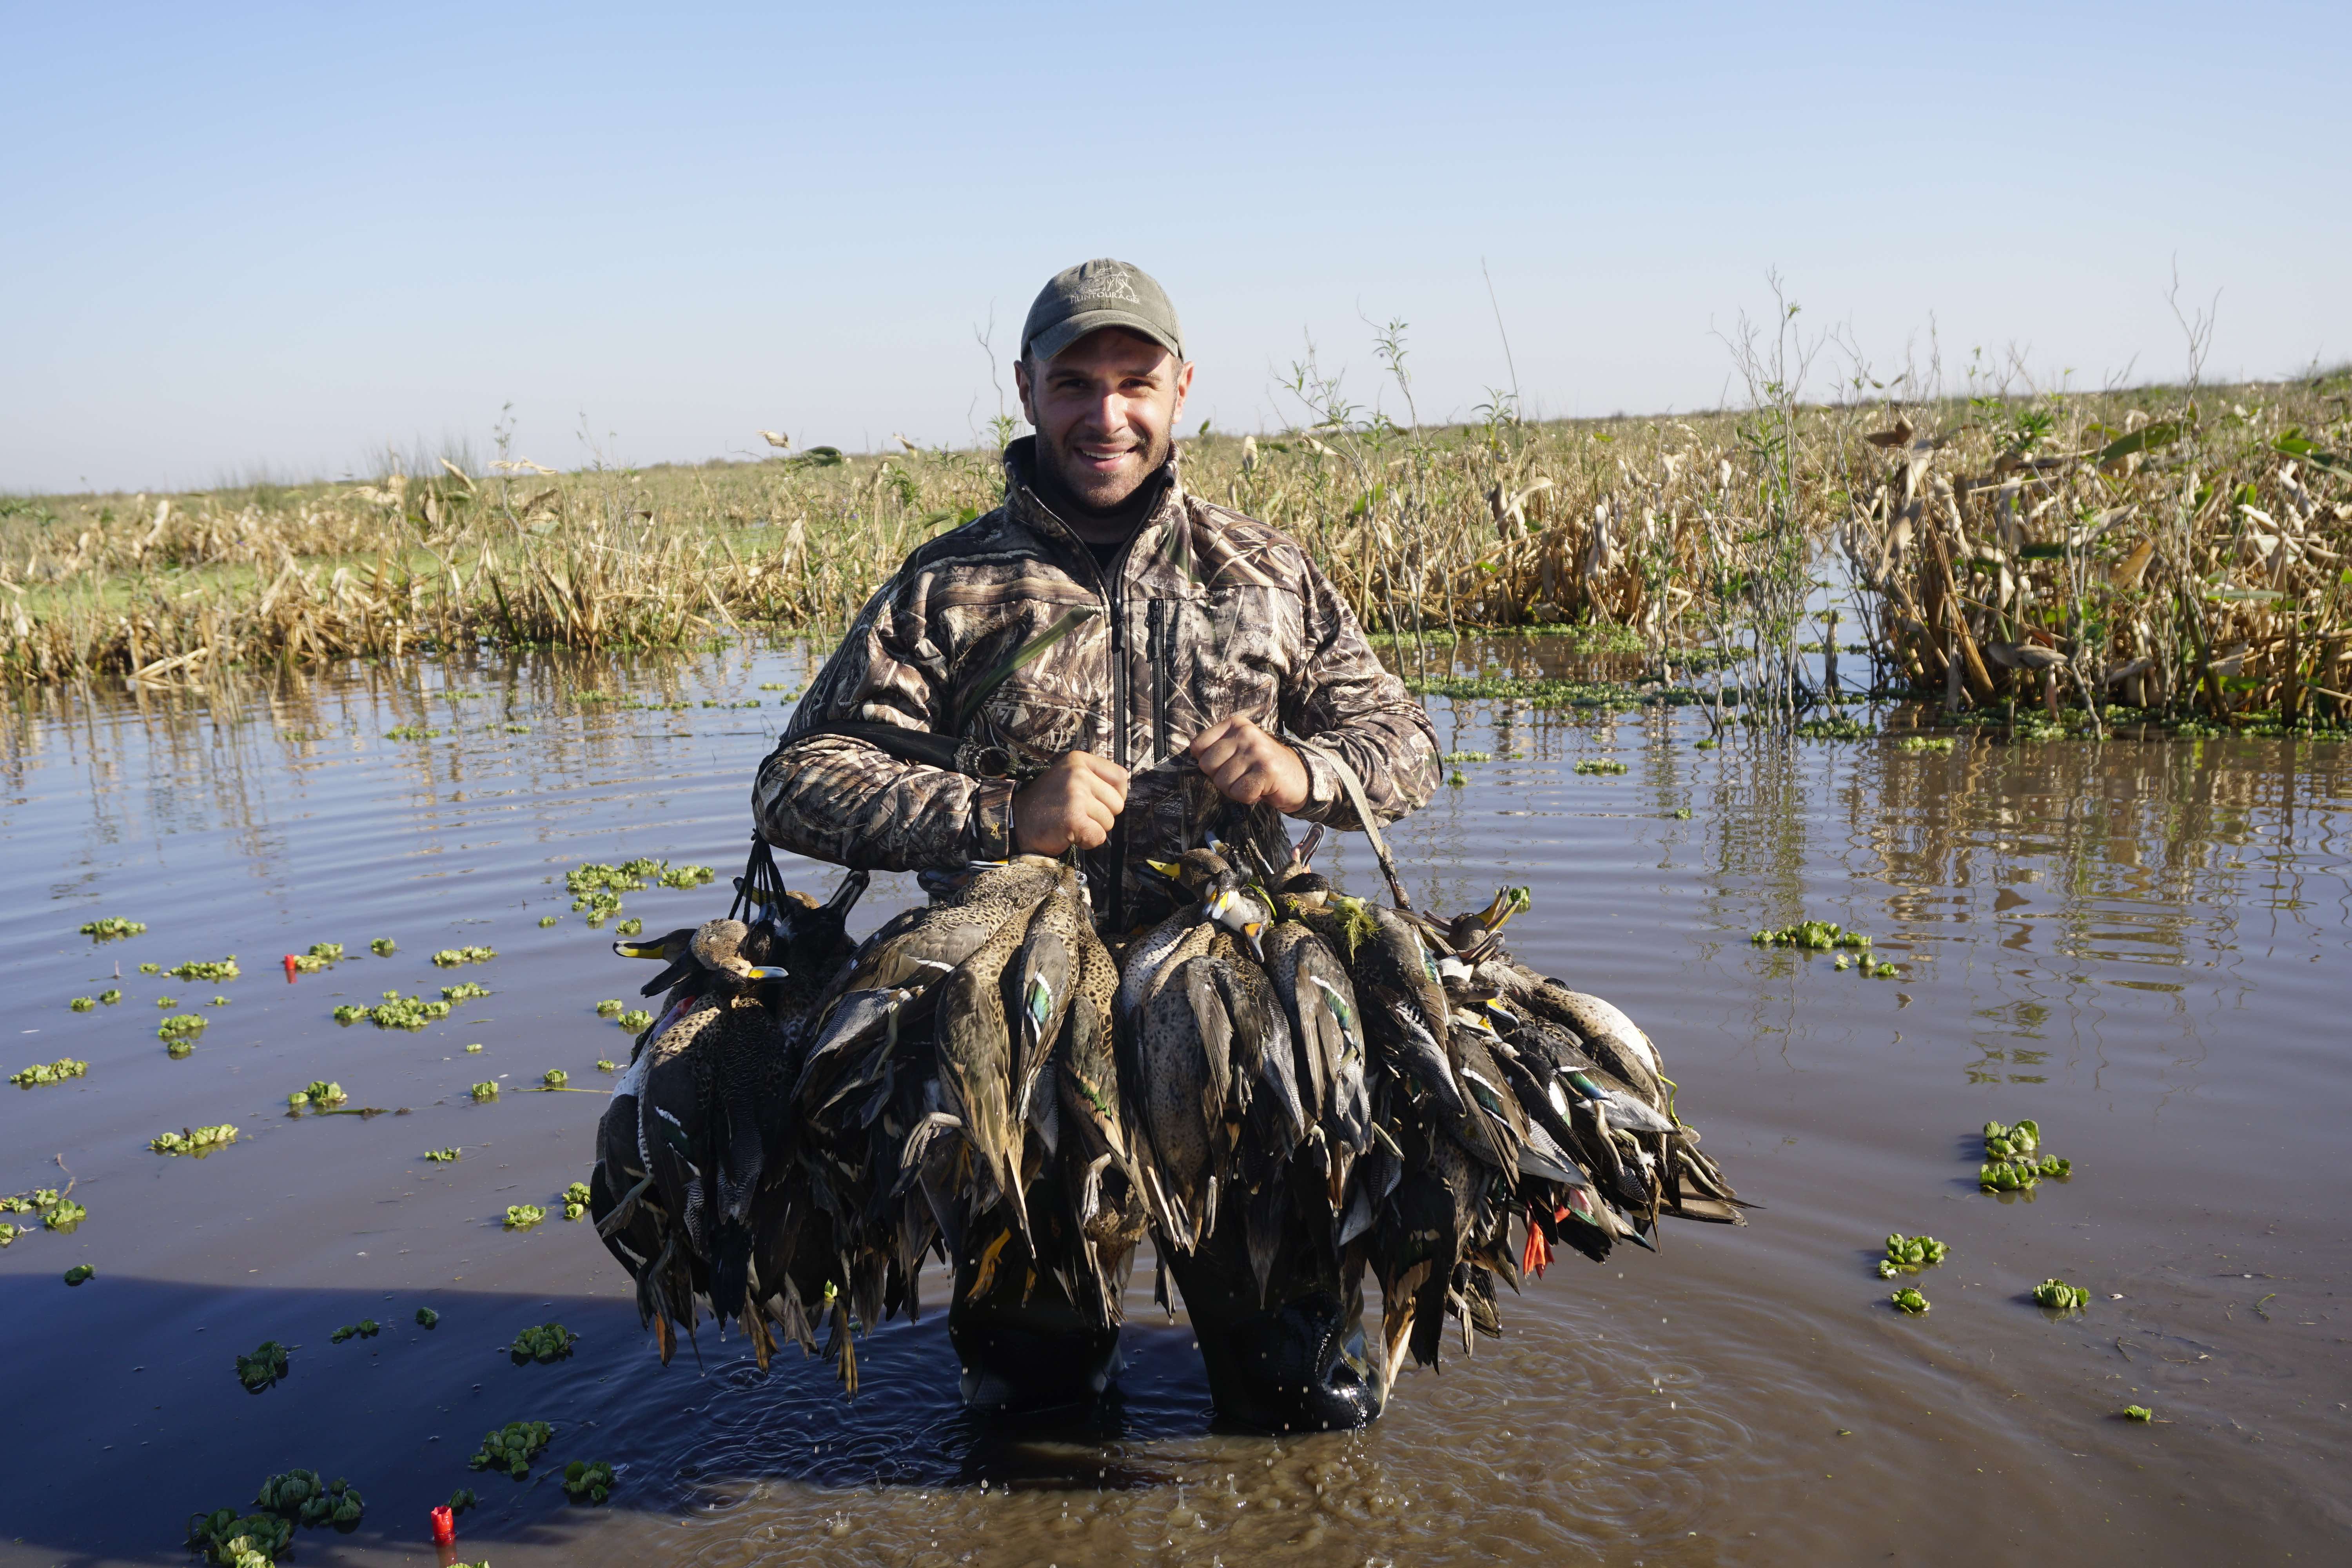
[412, 732]
[9, 1233]
[218, 1002]
[611, 1008]
[1601, 765]
[150, 969]
[78, 1273]
[2138, 1413]
[596, 887]
[301, 1497]
[1879, 971]
[1838, 729]
[63, 1215]
[1912, 1253]
[252, 1541]
[196, 1141]
[2059, 1296]
[635, 1020]
[202, 969]
[1817, 936]
[320, 1093]
[523, 1216]
[2010, 1163]
[167, 1001]
[1923, 744]
[512, 1447]
[605, 1065]
[26, 1203]
[83, 1004]
[327, 952]
[365, 1328]
[427, 1318]
[486, 1089]
[56, 1071]
[1467, 757]
[450, 957]
[588, 1480]
[545, 1342]
[109, 996]
[464, 990]
[1706, 743]
[631, 927]
[474, 1049]
[442, 1156]
[113, 927]
[555, 1077]
[263, 1367]
[395, 1012]
[1680, 813]
[1457, 779]
[546, 920]
[2004, 1143]
[1909, 1301]
[383, 947]
[575, 1200]
[462, 1499]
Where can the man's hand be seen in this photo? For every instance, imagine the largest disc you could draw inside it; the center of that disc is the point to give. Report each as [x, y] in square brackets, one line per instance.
[1248, 765]
[1073, 802]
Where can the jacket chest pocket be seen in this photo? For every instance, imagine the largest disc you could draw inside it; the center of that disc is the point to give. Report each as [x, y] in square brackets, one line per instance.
[1213, 656]
[1031, 682]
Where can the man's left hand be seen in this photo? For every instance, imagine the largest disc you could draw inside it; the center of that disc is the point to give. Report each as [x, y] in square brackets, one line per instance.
[1248, 765]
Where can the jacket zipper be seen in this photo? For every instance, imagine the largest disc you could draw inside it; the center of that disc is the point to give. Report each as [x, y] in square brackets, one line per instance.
[1162, 658]
[1115, 874]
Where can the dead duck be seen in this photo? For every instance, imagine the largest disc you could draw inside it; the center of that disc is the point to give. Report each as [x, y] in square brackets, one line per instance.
[693, 1125]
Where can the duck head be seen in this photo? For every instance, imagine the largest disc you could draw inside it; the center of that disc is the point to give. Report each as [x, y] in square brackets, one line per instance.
[718, 946]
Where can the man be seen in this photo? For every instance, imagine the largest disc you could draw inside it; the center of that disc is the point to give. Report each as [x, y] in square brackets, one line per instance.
[1108, 664]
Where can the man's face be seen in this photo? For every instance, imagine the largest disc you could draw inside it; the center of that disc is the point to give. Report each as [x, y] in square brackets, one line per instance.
[1105, 409]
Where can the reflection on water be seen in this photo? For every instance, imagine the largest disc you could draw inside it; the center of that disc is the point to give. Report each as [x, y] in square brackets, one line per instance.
[2140, 945]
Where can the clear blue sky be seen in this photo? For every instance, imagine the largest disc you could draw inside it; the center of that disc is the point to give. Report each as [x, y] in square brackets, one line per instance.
[246, 238]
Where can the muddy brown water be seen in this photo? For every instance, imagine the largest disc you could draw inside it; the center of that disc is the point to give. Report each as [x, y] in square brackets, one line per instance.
[2142, 946]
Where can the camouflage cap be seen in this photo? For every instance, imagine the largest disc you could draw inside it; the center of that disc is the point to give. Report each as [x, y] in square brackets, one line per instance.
[1094, 295]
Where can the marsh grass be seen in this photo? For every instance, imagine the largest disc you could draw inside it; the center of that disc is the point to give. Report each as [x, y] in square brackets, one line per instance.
[2169, 552]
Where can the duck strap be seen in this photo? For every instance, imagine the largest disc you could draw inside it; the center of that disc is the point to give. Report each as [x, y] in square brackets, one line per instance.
[1352, 784]
[924, 746]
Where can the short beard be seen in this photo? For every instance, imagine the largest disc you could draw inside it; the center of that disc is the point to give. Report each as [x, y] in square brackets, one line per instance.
[1095, 493]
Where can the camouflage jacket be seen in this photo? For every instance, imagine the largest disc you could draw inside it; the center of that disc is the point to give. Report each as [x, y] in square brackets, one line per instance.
[1207, 614]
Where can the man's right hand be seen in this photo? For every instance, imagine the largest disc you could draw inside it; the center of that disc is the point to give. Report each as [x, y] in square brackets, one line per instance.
[1074, 802]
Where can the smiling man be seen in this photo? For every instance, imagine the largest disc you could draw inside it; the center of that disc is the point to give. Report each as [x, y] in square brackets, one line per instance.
[1107, 663]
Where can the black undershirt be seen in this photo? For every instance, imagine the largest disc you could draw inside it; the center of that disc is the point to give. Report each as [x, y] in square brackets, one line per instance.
[1126, 517]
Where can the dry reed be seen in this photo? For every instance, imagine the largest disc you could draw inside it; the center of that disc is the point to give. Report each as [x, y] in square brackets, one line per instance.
[2174, 550]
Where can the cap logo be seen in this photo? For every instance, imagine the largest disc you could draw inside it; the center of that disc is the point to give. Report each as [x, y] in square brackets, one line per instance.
[1106, 285]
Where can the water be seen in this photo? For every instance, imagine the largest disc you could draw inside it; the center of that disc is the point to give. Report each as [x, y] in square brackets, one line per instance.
[2142, 946]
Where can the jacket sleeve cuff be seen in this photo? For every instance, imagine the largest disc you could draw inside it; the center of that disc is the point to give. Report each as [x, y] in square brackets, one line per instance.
[990, 834]
[1323, 789]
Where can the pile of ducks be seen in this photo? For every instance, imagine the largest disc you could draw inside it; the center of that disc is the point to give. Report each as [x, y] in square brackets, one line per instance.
[807, 1120]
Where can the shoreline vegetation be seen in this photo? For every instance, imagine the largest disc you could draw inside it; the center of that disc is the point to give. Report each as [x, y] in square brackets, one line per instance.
[2178, 555]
